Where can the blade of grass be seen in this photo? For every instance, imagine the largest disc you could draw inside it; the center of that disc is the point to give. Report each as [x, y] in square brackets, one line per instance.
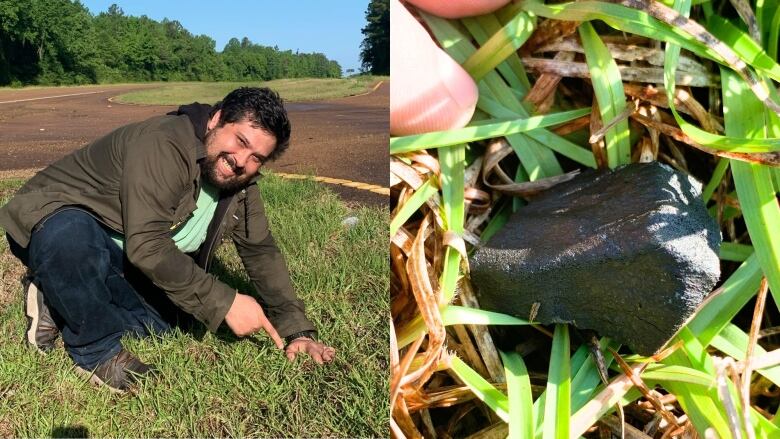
[481, 27]
[557, 407]
[440, 139]
[730, 142]
[717, 312]
[495, 224]
[620, 391]
[452, 161]
[483, 390]
[420, 196]
[698, 402]
[715, 180]
[521, 403]
[608, 88]
[641, 23]
[500, 46]
[587, 379]
[456, 315]
[638, 22]
[746, 116]
[730, 251]
[733, 342]
[537, 159]
[664, 373]
[774, 34]
[621, 18]
[742, 44]
[548, 138]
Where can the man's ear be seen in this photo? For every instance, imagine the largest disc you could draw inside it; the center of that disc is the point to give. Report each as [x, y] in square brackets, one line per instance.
[213, 121]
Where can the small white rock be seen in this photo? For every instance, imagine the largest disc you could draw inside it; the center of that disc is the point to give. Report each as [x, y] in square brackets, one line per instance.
[350, 221]
[42, 129]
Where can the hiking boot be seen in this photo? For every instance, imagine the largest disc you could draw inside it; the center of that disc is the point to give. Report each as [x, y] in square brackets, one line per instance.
[119, 372]
[42, 332]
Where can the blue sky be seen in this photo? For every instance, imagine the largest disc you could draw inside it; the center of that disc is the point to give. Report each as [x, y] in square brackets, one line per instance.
[329, 27]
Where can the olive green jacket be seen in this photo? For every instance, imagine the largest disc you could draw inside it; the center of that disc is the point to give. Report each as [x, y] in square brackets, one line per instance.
[142, 180]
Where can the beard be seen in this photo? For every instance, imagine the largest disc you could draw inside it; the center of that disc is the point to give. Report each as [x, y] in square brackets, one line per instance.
[209, 171]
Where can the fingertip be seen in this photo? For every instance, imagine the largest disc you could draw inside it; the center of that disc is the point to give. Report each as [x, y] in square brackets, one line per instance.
[459, 8]
[430, 91]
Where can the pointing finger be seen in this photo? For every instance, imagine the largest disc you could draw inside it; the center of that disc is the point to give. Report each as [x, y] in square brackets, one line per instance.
[269, 328]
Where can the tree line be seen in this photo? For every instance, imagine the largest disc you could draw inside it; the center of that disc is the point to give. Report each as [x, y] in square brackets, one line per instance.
[61, 42]
[375, 48]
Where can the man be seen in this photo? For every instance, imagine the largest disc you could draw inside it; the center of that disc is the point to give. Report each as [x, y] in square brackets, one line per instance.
[118, 236]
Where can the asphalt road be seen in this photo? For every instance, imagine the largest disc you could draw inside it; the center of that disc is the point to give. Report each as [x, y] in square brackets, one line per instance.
[344, 138]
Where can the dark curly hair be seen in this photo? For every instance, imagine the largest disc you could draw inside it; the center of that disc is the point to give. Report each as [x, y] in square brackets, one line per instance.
[263, 108]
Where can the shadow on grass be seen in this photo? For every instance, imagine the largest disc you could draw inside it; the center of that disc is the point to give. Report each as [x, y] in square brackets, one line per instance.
[236, 280]
[70, 431]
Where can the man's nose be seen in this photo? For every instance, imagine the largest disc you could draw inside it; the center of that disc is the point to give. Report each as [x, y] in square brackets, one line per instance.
[241, 158]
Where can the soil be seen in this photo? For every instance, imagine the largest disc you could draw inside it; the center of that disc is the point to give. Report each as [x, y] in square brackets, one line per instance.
[342, 138]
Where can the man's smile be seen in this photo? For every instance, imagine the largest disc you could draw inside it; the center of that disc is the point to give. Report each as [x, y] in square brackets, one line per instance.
[227, 165]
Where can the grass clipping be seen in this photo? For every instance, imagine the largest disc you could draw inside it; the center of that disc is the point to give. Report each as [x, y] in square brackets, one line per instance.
[695, 93]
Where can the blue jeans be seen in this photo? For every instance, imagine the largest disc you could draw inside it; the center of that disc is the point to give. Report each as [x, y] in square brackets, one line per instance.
[82, 274]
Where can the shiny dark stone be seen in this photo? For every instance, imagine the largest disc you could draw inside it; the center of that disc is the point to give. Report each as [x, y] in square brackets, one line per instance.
[629, 253]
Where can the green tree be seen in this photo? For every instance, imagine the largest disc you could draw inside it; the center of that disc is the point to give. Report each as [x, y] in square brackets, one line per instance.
[60, 42]
[375, 48]
[46, 42]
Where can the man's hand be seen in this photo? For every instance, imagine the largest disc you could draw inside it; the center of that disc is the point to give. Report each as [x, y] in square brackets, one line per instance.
[318, 351]
[246, 317]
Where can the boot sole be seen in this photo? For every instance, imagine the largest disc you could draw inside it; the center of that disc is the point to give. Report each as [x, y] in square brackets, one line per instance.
[94, 379]
[32, 312]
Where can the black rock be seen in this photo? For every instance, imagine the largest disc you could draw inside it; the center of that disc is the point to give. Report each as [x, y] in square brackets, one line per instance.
[629, 253]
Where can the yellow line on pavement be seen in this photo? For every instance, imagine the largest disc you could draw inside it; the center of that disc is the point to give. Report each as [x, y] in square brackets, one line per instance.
[52, 97]
[339, 181]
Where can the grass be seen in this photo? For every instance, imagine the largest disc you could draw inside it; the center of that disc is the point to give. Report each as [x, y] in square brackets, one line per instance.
[292, 90]
[723, 133]
[219, 386]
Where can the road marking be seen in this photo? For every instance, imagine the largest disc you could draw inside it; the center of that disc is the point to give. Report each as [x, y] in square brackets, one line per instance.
[52, 97]
[366, 93]
[339, 181]
[27, 173]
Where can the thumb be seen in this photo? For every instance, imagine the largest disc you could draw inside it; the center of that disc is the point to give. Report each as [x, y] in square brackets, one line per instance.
[429, 90]
[458, 8]
[290, 355]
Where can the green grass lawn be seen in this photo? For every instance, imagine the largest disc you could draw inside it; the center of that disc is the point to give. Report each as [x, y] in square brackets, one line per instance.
[306, 89]
[221, 386]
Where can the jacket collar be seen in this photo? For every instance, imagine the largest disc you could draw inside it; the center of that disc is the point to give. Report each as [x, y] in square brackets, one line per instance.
[199, 117]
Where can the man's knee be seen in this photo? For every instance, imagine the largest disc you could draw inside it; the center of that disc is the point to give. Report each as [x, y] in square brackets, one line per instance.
[67, 236]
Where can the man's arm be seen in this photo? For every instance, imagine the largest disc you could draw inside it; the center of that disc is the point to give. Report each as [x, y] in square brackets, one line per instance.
[266, 267]
[156, 176]
[268, 270]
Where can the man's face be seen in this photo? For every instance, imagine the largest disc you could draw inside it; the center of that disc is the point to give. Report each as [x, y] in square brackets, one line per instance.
[234, 153]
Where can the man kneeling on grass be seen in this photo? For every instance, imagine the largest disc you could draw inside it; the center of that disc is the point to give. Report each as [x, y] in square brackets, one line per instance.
[118, 236]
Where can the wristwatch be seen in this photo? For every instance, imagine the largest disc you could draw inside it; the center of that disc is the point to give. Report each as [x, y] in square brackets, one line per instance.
[310, 334]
